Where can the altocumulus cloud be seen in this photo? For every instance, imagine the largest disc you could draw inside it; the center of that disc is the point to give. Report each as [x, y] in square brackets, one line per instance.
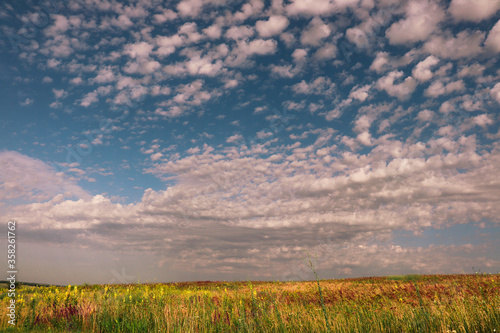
[239, 134]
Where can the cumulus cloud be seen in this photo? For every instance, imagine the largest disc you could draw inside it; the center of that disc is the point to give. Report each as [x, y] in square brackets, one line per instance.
[473, 10]
[493, 40]
[31, 179]
[422, 70]
[466, 44]
[315, 32]
[222, 198]
[425, 115]
[495, 92]
[360, 93]
[190, 7]
[319, 7]
[422, 19]
[319, 86]
[437, 88]
[402, 90]
[273, 26]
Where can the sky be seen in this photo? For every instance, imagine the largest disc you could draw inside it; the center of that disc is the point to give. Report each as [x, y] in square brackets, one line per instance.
[159, 141]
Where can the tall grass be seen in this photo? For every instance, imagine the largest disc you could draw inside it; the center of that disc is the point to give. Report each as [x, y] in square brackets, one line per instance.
[428, 303]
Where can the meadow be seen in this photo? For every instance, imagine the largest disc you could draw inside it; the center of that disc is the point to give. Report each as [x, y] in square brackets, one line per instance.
[412, 303]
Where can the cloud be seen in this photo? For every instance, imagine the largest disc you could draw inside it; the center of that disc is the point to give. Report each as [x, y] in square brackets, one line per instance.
[319, 7]
[360, 93]
[326, 52]
[422, 71]
[319, 86]
[166, 15]
[466, 44]
[138, 50]
[190, 7]
[89, 98]
[213, 31]
[495, 92]
[234, 138]
[60, 26]
[473, 10]
[244, 50]
[156, 156]
[273, 26]
[315, 32]
[240, 32]
[402, 90]
[493, 40]
[220, 196]
[249, 9]
[425, 115]
[437, 88]
[422, 19]
[380, 62]
[33, 180]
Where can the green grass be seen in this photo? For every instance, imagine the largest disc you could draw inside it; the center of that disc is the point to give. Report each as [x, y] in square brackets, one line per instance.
[412, 303]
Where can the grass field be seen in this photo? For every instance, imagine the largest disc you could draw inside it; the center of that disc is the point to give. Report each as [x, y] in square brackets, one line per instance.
[413, 303]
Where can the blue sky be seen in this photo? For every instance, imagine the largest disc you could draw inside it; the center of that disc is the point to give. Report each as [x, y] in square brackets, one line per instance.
[196, 140]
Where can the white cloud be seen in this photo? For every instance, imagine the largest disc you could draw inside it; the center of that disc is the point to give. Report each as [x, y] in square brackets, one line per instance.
[422, 19]
[59, 93]
[156, 156]
[123, 22]
[273, 26]
[105, 75]
[493, 40]
[28, 178]
[89, 98]
[471, 70]
[166, 15]
[327, 52]
[234, 138]
[495, 92]
[315, 32]
[27, 101]
[380, 62]
[402, 90]
[319, 86]
[240, 32]
[76, 81]
[138, 50]
[319, 7]
[249, 9]
[360, 93]
[437, 88]
[473, 10]
[299, 55]
[213, 32]
[190, 7]
[465, 45]
[483, 120]
[425, 115]
[60, 26]
[422, 71]
[190, 30]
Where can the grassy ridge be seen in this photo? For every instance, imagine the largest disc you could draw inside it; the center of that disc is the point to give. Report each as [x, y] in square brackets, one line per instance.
[426, 303]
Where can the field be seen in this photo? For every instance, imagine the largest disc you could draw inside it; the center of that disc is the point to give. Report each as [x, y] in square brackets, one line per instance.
[413, 303]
